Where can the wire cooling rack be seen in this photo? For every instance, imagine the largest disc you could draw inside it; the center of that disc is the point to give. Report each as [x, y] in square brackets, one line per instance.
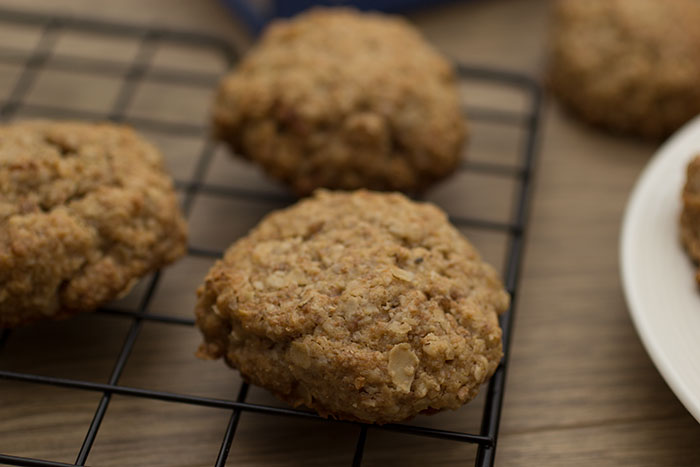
[36, 57]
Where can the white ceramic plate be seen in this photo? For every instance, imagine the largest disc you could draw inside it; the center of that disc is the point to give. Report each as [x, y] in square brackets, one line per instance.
[658, 277]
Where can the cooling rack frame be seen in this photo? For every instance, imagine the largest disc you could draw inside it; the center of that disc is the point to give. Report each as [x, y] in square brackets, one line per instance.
[35, 60]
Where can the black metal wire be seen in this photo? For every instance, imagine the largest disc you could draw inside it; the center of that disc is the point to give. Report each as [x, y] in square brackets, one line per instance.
[123, 99]
[167, 319]
[360, 446]
[161, 126]
[140, 69]
[97, 66]
[4, 335]
[523, 198]
[18, 460]
[232, 405]
[231, 429]
[117, 371]
[33, 63]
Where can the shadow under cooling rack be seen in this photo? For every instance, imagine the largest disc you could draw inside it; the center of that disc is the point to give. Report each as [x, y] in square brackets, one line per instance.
[160, 82]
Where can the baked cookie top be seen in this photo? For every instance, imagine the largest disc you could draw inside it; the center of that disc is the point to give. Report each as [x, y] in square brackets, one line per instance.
[363, 306]
[630, 65]
[85, 210]
[690, 215]
[341, 99]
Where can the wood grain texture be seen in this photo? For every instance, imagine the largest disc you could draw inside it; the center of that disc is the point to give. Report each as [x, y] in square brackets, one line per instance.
[581, 390]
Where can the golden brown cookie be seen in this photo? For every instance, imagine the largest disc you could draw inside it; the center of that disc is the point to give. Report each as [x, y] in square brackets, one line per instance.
[363, 306]
[85, 210]
[690, 216]
[340, 99]
[628, 65]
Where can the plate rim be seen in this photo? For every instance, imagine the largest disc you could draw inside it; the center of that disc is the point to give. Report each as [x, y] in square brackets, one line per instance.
[634, 204]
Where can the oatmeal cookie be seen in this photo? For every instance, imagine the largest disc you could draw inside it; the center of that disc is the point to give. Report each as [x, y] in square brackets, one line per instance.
[690, 216]
[85, 210]
[340, 99]
[629, 65]
[363, 306]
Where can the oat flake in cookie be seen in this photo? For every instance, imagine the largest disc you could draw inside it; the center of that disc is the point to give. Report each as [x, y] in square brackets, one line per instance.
[85, 210]
[340, 99]
[628, 65]
[690, 216]
[363, 306]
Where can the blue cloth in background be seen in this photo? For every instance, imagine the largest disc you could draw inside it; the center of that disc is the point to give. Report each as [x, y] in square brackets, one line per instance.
[257, 13]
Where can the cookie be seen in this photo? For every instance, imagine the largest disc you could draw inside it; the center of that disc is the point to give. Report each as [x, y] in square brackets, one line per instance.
[628, 65]
[340, 99]
[690, 215]
[85, 210]
[362, 306]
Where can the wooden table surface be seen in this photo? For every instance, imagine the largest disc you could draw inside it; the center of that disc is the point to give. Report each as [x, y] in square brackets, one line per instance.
[581, 390]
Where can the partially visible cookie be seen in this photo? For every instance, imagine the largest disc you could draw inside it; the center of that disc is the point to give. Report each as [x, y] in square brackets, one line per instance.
[85, 210]
[629, 65]
[690, 216]
[341, 99]
[363, 306]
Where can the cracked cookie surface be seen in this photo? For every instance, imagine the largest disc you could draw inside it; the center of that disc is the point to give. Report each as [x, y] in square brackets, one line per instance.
[85, 210]
[340, 99]
[363, 306]
[628, 65]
